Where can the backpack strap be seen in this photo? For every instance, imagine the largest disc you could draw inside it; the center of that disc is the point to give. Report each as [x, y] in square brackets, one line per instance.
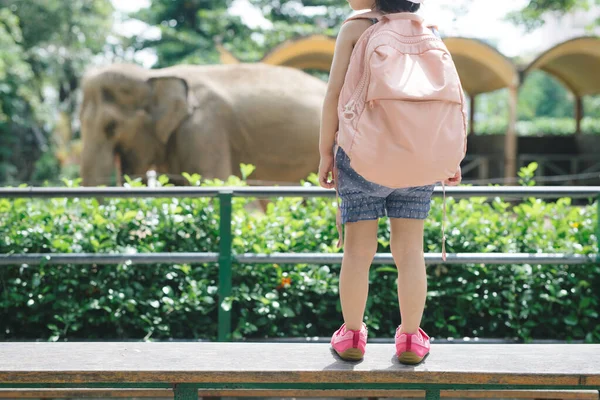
[435, 30]
[376, 16]
[372, 15]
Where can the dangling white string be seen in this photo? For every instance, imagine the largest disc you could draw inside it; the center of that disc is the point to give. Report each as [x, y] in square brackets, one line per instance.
[444, 224]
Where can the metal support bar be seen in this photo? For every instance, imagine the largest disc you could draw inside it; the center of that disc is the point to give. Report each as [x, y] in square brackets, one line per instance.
[508, 192]
[225, 260]
[99, 258]
[285, 258]
[432, 395]
[185, 391]
[431, 258]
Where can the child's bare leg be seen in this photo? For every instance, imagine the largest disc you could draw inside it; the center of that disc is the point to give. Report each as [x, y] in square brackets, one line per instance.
[407, 250]
[359, 249]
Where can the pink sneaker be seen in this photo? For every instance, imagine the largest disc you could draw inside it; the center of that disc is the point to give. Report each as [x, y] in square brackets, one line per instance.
[350, 345]
[412, 348]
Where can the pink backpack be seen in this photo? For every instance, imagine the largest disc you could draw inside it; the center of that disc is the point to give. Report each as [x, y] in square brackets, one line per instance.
[402, 112]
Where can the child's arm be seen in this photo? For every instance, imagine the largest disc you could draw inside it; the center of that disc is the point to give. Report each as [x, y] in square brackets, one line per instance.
[347, 38]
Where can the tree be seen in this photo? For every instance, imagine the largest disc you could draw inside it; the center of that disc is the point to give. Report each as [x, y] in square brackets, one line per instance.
[543, 96]
[557, 101]
[56, 39]
[532, 15]
[20, 103]
[190, 30]
[296, 18]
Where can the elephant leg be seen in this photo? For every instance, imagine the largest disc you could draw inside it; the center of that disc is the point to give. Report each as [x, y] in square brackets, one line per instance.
[202, 147]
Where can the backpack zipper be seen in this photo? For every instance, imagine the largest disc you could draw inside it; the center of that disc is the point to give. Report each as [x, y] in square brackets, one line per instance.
[357, 94]
[367, 73]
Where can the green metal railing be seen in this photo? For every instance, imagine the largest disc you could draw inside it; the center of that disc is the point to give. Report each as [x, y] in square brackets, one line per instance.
[226, 258]
[225, 261]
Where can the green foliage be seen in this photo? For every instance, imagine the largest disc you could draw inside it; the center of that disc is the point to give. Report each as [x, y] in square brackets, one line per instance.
[60, 37]
[192, 29]
[591, 106]
[247, 170]
[543, 96]
[292, 18]
[545, 107]
[532, 15]
[46, 169]
[180, 300]
[527, 175]
[538, 126]
[20, 103]
[45, 46]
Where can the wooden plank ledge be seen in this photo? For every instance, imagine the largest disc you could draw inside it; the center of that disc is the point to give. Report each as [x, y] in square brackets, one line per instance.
[298, 366]
[416, 394]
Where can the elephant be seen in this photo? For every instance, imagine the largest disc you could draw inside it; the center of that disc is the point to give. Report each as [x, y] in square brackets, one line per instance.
[205, 119]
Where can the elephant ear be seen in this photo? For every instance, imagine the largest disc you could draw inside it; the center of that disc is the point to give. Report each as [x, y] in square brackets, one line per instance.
[169, 105]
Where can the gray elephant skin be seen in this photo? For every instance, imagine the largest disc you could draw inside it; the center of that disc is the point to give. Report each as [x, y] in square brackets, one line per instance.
[201, 119]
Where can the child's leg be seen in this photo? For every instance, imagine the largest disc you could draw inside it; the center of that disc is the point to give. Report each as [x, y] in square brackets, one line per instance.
[359, 249]
[407, 250]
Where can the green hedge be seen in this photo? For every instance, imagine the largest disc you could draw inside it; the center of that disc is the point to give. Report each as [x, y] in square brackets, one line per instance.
[179, 301]
[538, 126]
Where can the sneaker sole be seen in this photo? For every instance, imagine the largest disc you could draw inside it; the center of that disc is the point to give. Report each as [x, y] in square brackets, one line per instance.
[351, 355]
[410, 358]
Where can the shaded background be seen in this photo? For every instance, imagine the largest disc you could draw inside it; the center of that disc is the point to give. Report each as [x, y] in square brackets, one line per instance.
[46, 45]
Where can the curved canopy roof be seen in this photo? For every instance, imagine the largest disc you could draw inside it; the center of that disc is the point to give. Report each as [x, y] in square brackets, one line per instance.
[225, 56]
[481, 68]
[314, 52]
[576, 63]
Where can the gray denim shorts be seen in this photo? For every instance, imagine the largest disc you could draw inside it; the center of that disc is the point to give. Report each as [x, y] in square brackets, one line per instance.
[363, 200]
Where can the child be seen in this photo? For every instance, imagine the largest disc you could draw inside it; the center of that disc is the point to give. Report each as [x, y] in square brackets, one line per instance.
[363, 202]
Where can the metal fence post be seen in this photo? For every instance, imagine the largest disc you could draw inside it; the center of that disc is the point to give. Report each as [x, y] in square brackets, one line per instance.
[225, 259]
[432, 394]
[185, 391]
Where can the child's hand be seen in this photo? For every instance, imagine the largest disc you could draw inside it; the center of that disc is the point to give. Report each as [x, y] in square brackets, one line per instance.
[325, 168]
[455, 180]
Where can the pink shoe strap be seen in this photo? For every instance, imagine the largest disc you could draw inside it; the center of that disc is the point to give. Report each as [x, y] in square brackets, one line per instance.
[409, 335]
[355, 335]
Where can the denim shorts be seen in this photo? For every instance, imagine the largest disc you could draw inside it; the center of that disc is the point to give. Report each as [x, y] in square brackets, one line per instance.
[363, 200]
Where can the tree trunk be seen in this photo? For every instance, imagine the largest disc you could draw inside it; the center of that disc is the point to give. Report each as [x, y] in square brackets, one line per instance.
[578, 114]
[472, 115]
[510, 146]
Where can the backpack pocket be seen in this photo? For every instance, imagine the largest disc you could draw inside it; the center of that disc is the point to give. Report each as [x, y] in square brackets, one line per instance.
[405, 143]
[427, 76]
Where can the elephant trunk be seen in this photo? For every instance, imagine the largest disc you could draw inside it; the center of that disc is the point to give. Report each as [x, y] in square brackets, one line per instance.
[97, 163]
